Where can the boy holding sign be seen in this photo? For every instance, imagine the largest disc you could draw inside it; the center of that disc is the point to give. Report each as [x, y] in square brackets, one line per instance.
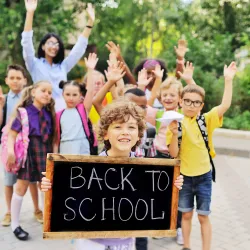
[121, 128]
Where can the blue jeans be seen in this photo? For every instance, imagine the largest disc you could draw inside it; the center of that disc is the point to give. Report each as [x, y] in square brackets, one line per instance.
[199, 187]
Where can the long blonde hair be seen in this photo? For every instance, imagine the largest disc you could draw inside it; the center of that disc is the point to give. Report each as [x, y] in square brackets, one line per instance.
[27, 99]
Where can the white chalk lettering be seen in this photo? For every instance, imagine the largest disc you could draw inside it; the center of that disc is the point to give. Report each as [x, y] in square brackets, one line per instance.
[153, 177]
[65, 215]
[81, 211]
[159, 178]
[126, 179]
[119, 209]
[94, 178]
[136, 207]
[152, 212]
[104, 209]
[76, 177]
[105, 179]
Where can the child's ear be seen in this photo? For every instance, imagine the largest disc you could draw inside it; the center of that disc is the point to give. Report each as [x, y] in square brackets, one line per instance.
[106, 138]
[43, 48]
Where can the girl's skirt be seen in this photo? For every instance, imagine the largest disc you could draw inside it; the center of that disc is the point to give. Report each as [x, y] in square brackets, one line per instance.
[36, 159]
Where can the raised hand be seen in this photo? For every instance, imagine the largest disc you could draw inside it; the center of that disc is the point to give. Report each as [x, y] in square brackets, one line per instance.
[181, 50]
[112, 62]
[230, 71]
[143, 81]
[113, 48]
[91, 12]
[187, 74]
[91, 61]
[158, 72]
[2, 98]
[30, 5]
[115, 73]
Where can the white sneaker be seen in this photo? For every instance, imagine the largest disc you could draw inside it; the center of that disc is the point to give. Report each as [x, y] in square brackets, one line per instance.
[179, 238]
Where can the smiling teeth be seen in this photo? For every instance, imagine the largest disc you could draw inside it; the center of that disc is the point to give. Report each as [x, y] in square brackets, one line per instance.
[124, 140]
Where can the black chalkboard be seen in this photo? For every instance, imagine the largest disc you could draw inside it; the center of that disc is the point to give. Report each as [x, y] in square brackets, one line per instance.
[111, 196]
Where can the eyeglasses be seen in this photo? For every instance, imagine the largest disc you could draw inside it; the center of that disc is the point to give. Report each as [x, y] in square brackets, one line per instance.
[51, 44]
[196, 104]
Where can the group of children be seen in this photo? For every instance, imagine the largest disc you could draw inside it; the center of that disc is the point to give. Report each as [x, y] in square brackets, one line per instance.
[127, 127]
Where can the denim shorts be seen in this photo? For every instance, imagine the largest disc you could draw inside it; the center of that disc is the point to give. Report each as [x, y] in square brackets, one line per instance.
[9, 178]
[199, 187]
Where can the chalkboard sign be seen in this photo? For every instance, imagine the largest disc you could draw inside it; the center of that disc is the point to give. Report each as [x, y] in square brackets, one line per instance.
[107, 197]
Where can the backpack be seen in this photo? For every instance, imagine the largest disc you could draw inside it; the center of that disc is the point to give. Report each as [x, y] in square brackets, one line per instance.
[87, 126]
[21, 143]
[4, 115]
[203, 129]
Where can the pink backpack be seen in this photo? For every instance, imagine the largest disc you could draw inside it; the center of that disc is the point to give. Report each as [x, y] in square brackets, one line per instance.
[21, 143]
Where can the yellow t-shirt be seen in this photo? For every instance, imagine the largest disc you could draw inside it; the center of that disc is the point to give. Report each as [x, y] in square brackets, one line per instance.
[193, 152]
[93, 115]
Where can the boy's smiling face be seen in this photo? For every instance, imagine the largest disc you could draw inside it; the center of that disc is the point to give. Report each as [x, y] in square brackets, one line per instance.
[122, 136]
[191, 104]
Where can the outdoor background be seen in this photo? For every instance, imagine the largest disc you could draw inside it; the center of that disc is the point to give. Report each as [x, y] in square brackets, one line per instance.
[217, 31]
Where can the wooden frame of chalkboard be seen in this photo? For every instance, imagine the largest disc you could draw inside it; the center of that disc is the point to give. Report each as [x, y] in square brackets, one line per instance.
[60, 162]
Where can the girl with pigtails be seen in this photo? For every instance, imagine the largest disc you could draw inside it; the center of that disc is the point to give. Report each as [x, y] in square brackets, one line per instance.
[39, 106]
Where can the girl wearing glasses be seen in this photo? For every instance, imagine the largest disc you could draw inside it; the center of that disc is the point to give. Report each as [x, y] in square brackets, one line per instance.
[50, 63]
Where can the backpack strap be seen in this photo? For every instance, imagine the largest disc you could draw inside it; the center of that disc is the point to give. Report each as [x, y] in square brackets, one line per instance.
[87, 125]
[203, 129]
[58, 126]
[25, 131]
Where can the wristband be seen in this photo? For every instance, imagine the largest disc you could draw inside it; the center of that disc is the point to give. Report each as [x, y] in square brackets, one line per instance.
[90, 27]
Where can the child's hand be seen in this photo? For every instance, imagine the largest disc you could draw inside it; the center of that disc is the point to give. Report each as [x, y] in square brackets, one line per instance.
[143, 81]
[230, 71]
[173, 126]
[11, 159]
[112, 62]
[115, 73]
[179, 182]
[91, 12]
[91, 61]
[158, 72]
[2, 98]
[188, 72]
[45, 184]
[181, 50]
[30, 5]
[115, 49]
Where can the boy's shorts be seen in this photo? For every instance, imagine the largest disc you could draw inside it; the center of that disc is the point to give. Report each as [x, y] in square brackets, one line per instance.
[199, 187]
[9, 179]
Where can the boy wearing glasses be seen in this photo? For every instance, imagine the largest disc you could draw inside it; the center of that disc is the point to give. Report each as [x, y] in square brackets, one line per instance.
[194, 155]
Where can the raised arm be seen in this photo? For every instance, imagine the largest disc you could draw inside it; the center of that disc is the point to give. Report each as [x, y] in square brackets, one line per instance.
[229, 73]
[113, 75]
[27, 43]
[143, 81]
[113, 48]
[91, 19]
[30, 6]
[180, 51]
[90, 64]
[158, 80]
[187, 74]
[80, 47]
